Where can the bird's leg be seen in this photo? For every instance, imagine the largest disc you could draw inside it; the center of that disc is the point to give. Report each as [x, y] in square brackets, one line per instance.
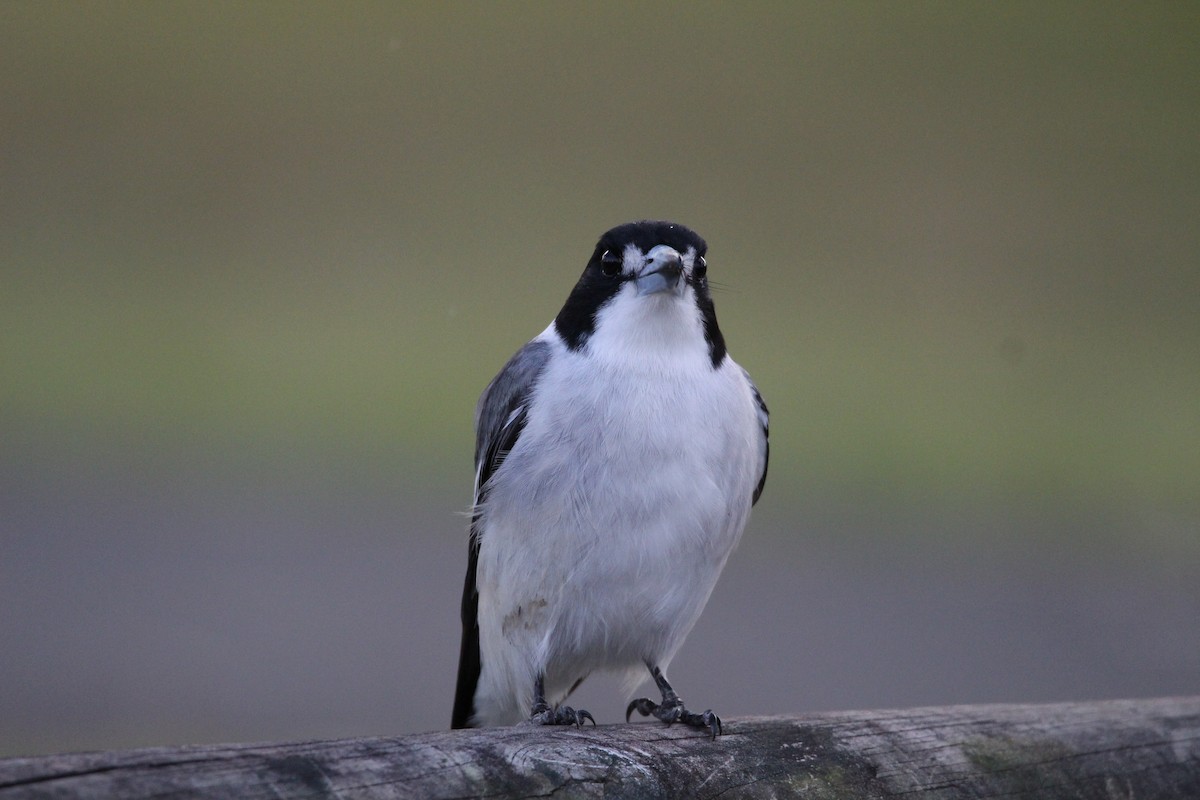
[543, 714]
[671, 708]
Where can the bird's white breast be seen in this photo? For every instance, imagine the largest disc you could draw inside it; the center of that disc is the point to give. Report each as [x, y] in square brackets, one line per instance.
[607, 525]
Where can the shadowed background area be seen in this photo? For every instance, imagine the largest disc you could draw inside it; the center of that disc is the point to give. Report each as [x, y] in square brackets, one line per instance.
[257, 263]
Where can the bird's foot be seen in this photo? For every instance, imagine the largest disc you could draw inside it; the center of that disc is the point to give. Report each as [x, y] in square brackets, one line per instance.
[544, 714]
[672, 711]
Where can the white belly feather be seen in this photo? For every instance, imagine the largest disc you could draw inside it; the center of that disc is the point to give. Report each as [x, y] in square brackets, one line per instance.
[606, 527]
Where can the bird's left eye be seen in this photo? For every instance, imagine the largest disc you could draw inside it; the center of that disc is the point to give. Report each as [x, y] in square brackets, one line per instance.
[700, 268]
[610, 264]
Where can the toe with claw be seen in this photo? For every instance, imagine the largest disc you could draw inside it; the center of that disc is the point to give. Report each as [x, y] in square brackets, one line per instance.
[671, 709]
[672, 712]
[544, 714]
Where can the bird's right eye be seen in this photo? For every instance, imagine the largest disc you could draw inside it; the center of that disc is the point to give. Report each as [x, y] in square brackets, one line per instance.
[610, 264]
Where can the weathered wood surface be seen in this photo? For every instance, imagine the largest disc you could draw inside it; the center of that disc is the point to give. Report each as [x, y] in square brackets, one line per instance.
[1111, 750]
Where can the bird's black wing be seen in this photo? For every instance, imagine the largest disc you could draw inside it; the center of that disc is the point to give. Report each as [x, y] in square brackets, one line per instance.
[499, 420]
[764, 417]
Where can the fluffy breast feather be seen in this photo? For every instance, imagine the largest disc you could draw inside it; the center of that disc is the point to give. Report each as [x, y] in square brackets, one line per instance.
[632, 475]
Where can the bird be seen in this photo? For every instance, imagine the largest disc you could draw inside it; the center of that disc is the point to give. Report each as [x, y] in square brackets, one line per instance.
[617, 458]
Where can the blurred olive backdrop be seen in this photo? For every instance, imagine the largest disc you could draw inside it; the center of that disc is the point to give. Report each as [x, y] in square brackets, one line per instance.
[257, 262]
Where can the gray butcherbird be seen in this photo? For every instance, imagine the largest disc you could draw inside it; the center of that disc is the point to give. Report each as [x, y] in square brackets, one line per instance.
[617, 457]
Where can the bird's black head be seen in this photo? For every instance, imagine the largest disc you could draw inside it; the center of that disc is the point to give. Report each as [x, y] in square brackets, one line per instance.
[656, 257]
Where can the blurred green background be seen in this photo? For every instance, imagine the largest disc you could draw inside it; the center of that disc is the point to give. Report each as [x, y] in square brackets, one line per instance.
[257, 262]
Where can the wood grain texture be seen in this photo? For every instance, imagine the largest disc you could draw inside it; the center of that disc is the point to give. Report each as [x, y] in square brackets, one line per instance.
[1113, 749]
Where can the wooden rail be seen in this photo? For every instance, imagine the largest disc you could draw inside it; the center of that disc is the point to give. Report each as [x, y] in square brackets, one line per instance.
[1115, 750]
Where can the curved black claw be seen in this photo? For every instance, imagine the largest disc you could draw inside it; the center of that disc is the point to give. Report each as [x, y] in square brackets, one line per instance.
[671, 713]
[543, 714]
[643, 705]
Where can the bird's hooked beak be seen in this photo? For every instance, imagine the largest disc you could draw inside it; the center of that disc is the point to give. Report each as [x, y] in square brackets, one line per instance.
[662, 271]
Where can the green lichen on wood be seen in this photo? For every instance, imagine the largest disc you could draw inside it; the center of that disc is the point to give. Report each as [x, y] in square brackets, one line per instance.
[1026, 766]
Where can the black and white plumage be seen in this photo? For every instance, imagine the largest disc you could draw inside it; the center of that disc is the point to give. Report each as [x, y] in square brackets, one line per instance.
[617, 457]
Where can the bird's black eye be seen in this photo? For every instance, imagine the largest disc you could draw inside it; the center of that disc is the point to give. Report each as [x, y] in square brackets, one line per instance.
[610, 264]
[700, 267]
